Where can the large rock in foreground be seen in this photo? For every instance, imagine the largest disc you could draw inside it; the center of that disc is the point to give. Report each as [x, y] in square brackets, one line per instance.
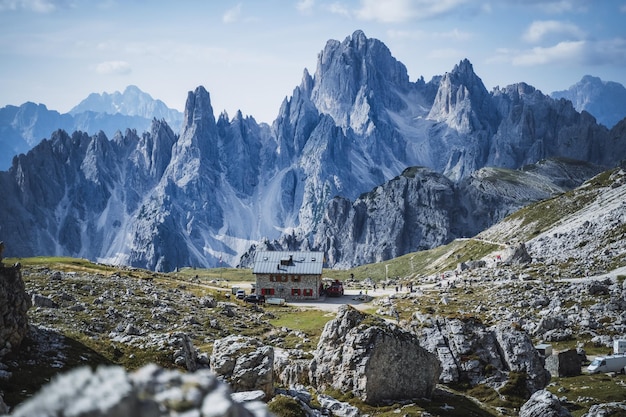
[245, 363]
[543, 404]
[151, 391]
[469, 350]
[14, 304]
[375, 360]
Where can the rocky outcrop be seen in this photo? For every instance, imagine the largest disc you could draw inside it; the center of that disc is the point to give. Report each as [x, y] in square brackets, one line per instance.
[290, 367]
[373, 359]
[147, 392]
[545, 404]
[607, 410]
[520, 355]
[519, 256]
[14, 305]
[470, 351]
[422, 209]
[245, 363]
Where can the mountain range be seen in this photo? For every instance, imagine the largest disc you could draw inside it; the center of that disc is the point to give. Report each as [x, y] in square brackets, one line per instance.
[606, 100]
[360, 163]
[22, 127]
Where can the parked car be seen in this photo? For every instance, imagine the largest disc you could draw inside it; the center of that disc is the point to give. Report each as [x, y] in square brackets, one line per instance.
[254, 299]
[335, 289]
[241, 294]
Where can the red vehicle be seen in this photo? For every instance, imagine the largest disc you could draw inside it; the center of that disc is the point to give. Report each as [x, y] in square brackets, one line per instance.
[335, 289]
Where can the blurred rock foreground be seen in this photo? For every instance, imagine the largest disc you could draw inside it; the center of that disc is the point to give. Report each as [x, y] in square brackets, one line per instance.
[148, 392]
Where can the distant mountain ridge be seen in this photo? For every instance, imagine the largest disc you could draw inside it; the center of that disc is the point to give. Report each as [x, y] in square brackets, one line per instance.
[605, 100]
[162, 200]
[24, 126]
[131, 102]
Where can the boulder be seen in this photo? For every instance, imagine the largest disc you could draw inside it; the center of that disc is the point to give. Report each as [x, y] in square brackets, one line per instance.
[374, 359]
[470, 351]
[615, 409]
[543, 404]
[150, 391]
[245, 363]
[14, 305]
[186, 355]
[337, 408]
[520, 355]
[564, 364]
[4, 409]
[39, 300]
[519, 255]
[598, 288]
[464, 347]
[290, 367]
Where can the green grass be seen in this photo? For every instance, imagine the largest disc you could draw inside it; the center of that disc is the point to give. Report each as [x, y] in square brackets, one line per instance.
[306, 320]
[419, 264]
[599, 388]
[283, 406]
[225, 274]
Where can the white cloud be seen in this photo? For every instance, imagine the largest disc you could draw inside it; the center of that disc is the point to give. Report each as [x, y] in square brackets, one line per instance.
[555, 6]
[595, 53]
[562, 52]
[113, 67]
[396, 11]
[539, 30]
[232, 15]
[39, 6]
[563, 6]
[340, 9]
[305, 6]
[416, 35]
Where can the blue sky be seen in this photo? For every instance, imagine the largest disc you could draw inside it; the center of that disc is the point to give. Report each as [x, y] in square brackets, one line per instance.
[250, 54]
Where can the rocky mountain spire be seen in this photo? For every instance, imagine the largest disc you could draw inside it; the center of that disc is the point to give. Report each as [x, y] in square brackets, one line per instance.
[463, 102]
[355, 75]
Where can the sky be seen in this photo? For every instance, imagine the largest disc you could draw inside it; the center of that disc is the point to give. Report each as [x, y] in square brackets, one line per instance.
[251, 54]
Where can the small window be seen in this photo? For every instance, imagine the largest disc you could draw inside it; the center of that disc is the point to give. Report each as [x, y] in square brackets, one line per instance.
[307, 292]
[295, 291]
[272, 278]
[296, 278]
[267, 291]
[285, 278]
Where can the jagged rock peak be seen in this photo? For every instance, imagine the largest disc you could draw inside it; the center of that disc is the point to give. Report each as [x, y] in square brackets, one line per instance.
[198, 107]
[463, 73]
[464, 67]
[351, 73]
[358, 40]
[307, 83]
[463, 101]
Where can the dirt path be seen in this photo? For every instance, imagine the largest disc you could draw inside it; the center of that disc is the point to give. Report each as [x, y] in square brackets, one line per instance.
[350, 297]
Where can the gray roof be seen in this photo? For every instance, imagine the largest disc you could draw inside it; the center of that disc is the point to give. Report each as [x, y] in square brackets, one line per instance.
[288, 262]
